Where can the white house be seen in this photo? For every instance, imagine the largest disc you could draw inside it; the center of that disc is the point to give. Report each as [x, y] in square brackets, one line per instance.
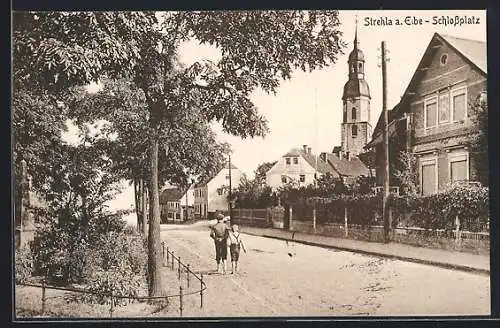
[299, 166]
[211, 194]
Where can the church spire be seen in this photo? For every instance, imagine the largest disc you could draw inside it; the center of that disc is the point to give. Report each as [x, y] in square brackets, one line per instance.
[356, 33]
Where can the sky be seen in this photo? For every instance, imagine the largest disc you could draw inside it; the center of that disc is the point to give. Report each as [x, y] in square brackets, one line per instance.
[307, 110]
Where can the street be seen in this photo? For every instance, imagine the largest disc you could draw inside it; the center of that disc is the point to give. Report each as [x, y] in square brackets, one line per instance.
[280, 279]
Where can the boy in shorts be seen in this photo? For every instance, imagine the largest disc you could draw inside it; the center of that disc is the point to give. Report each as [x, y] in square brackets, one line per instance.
[219, 233]
[235, 243]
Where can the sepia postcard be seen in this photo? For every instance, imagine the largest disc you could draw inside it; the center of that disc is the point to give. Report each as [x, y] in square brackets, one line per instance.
[250, 164]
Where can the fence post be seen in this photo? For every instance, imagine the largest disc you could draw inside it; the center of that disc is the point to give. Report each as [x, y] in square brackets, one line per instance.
[187, 276]
[457, 229]
[345, 222]
[43, 296]
[173, 257]
[201, 291]
[314, 218]
[179, 268]
[111, 308]
[167, 256]
[163, 249]
[290, 218]
[180, 300]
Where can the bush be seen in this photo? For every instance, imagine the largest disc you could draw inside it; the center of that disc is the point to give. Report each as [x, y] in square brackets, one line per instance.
[23, 264]
[438, 211]
[117, 281]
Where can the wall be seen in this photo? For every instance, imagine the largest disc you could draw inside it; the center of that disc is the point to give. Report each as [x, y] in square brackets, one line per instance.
[273, 176]
[216, 201]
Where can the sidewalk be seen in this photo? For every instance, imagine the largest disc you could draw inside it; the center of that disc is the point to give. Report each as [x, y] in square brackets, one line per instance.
[429, 256]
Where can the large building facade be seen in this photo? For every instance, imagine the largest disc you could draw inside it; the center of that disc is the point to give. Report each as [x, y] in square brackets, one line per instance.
[435, 119]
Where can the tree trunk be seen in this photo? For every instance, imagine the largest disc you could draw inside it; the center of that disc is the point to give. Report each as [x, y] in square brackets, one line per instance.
[144, 203]
[154, 242]
[137, 198]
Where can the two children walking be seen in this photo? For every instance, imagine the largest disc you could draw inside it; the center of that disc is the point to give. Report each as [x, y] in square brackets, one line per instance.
[225, 237]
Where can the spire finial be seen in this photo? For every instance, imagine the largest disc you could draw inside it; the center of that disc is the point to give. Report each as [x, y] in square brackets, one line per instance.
[356, 32]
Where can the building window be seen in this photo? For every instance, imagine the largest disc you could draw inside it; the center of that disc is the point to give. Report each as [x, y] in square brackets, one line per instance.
[430, 113]
[353, 68]
[428, 177]
[283, 179]
[287, 160]
[353, 114]
[459, 105]
[354, 131]
[444, 59]
[483, 97]
[302, 178]
[219, 191]
[444, 107]
[345, 114]
[459, 167]
[295, 160]
[360, 66]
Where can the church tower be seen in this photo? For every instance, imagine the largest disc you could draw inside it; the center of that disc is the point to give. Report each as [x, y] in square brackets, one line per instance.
[356, 128]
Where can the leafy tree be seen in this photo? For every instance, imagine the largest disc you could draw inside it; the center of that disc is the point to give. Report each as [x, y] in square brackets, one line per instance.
[479, 141]
[407, 175]
[259, 49]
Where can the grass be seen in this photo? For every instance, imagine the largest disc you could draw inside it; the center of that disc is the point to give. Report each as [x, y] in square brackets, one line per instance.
[62, 304]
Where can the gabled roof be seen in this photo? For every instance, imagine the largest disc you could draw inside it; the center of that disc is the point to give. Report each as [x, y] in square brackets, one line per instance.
[322, 167]
[344, 167]
[472, 51]
[171, 194]
[209, 178]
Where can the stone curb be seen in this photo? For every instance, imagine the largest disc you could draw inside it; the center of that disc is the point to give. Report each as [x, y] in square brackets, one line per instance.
[385, 255]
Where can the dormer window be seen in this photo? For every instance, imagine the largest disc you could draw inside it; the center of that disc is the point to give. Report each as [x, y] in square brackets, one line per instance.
[444, 59]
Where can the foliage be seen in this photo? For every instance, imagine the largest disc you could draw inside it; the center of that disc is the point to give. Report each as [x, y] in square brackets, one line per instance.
[261, 171]
[479, 141]
[470, 203]
[57, 50]
[23, 264]
[407, 175]
[258, 50]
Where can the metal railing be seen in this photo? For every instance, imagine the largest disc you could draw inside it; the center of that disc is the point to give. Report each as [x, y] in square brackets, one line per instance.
[169, 260]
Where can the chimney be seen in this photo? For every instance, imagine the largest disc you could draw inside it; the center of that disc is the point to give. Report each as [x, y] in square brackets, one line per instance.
[309, 149]
[348, 155]
[322, 156]
[339, 154]
[304, 147]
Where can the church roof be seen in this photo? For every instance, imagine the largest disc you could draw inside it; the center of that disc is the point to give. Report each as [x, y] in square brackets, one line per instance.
[356, 88]
[356, 54]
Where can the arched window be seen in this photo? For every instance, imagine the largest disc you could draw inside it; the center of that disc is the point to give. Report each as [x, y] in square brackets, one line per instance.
[360, 65]
[354, 130]
[353, 114]
[353, 68]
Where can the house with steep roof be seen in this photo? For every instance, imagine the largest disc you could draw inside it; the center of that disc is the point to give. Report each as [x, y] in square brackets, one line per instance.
[348, 169]
[210, 195]
[177, 204]
[433, 119]
[299, 166]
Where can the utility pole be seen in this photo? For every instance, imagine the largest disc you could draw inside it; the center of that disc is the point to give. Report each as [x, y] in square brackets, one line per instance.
[230, 190]
[385, 208]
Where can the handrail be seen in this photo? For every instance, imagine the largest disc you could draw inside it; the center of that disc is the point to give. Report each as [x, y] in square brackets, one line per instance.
[113, 296]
